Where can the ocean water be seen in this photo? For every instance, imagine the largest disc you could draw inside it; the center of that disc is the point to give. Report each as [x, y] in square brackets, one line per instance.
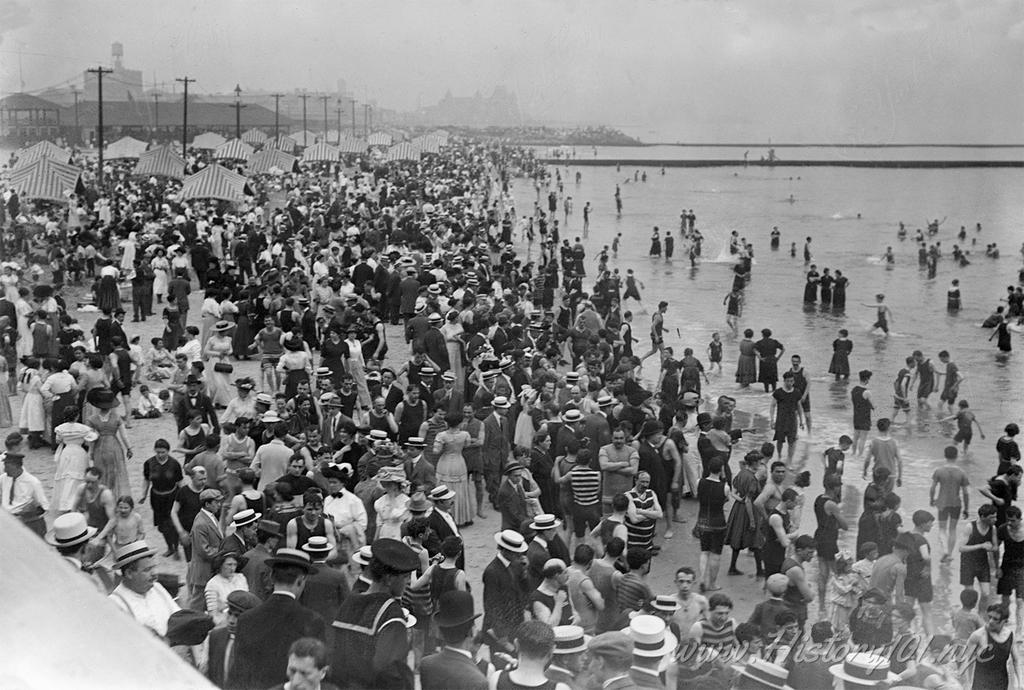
[826, 204]
[668, 152]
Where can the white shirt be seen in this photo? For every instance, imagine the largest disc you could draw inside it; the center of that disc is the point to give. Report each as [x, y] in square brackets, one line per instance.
[347, 510]
[27, 491]
[151, 609]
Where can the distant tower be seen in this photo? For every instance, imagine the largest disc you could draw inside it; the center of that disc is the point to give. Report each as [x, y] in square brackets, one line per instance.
[117, 52]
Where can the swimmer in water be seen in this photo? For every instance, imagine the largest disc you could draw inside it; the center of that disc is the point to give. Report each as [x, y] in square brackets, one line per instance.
[791, 199]
[884, 314]
[792, 249]
[888, 256]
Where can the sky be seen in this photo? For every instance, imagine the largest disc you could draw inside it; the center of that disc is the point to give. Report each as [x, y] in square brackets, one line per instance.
[700, 71]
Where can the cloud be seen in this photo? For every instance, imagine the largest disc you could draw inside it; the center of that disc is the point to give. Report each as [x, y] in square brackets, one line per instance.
[13, 16]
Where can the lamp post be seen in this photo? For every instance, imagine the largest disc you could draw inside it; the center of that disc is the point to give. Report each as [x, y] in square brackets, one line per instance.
[238, 111]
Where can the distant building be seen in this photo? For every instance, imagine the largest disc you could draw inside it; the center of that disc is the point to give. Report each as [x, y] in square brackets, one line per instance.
[501, 109]
[120, 85]
[25, 118]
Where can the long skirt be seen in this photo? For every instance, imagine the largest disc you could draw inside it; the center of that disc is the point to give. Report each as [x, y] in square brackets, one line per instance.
[33, 413]
[61, 404]
[241, 339]
[740, 532]
[107, 295]
[108, 455]
[291, 381]
[451, 471]
[6, 416]
[218, 385]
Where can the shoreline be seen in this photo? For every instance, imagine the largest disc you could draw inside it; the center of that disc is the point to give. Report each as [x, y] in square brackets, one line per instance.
[723, 163]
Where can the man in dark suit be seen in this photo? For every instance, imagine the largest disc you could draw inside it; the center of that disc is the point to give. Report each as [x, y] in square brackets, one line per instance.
[496, 450]
[222, 640]
[453, 666]
[539, 551]
[506, 585]
[244, 536]
[266, 632]
[307, 323]
[511, 502]
[421, 474]
[256, 569]
[441, 521]
[195, 401]
[326, 588]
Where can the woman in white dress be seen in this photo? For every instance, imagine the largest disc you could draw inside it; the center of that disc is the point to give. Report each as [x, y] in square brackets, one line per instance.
[24, 312]
[217, 355]
[451, 467]
[210, 313]
[392, 509]
[129, 248]
[160, 267]
[452, 331]
[226, 580]
[72, 461]
[33, 412]
[9, 281]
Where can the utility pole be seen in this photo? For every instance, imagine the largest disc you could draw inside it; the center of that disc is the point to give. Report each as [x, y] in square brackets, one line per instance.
[156, 112]
[277, 108]
[238, 111]
[184, 118]
[303, 96]
[366, 120]
[325, 99]
[78, 131]
[353, 117]
[99, 72]
[339, 121]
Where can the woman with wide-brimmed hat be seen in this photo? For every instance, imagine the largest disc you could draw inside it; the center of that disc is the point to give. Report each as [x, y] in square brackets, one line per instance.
[217, 352]
[111, 449]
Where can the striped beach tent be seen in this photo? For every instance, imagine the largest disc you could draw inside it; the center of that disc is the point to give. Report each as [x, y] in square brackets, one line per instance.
[46, 179]
[427, 144]
[442, 136]
[283, 143]
[234, 150]
[334, 135]
[353, 146]
[216, 182]
[405, 151]
[379, 139]
[125, 147]
[44, 149]
[320, 153]
[269, 159]
[160, 162]
[208, 141]
[310, 137]
[254, 137]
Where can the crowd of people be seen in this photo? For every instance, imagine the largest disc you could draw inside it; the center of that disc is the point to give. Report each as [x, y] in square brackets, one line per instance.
[321, 509]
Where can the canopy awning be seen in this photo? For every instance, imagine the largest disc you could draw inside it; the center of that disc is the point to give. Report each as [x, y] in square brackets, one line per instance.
[125, 147]
[379, 139]
[208, 141]
[353, 146]
[46, 179]
[254, 137]
[44, 149]
[89, 641]
[283, 143]
[320, 153]
[405, 151]
[427, 143]
[216, 182]
[235, 150]
[160, 162]
[309, 140]
[270, 159]
[441, 135]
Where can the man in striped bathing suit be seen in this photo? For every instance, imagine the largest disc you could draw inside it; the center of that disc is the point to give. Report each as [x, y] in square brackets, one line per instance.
[585, 481]
[643, 513]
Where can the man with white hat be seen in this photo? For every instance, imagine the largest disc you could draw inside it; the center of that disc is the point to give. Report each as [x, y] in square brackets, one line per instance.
[244, 536]
[653, 645]
[71, 535]
[139, 594]
[506, 585]
[567, 656]
[434, 344]
[497, 449]
[327, 587]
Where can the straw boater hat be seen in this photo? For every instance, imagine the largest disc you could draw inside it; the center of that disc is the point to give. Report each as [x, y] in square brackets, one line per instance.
[510, 540]
[545, 521]
[71, 432]
[129, 553]
[70, 530]
[317, 546]
[292, 557]
[572, 415]
[501, 403]
[362, 556]
[759, 674]
[222, 326]
[245, 517]
[569, 639]
[666, 603]
[651, 637]
[863, 670]
[441, 493]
